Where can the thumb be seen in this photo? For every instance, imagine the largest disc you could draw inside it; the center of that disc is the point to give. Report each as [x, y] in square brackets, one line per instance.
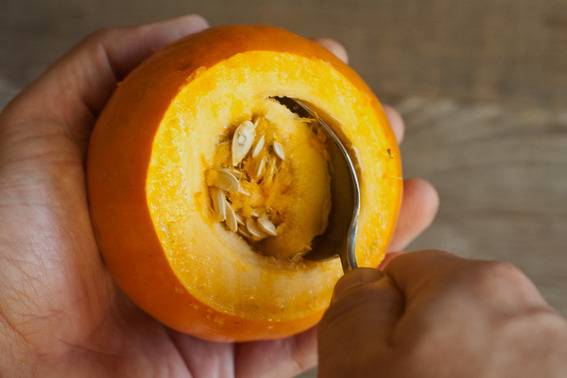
[365, 307]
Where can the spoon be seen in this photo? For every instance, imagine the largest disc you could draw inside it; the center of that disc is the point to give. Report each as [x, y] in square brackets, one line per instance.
[339, 238]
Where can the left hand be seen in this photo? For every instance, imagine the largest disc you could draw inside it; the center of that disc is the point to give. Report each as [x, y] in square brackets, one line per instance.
[60, 313]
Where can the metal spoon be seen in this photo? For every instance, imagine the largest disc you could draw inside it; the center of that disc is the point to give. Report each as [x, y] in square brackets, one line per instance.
[340, 236]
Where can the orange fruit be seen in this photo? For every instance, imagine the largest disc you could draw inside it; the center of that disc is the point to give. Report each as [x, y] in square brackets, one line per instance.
[171, 121]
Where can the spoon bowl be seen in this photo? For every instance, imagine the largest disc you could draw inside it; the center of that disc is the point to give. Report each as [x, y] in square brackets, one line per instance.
[339, 238]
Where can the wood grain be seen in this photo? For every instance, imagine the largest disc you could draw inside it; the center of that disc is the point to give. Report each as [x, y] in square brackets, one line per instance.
[501, 175]
[511, 50]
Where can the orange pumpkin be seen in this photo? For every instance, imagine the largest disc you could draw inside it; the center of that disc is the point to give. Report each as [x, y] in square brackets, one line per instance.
[154, 221]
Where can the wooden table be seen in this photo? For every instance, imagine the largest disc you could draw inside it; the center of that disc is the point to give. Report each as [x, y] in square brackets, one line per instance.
[482, 85]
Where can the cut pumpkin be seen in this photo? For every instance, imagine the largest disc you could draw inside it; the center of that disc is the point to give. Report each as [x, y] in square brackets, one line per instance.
[161, 160]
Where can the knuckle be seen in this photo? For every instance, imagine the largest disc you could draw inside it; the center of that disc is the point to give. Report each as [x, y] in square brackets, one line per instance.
[435, 254]
[362, 300]
[534, 327]
[487, 276]
[417, 355]
[425, 254]
[548, 323]
[358, 298]
[98, 35]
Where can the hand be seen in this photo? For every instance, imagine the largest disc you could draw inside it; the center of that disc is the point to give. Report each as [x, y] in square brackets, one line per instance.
[437, 315]
[59, 309]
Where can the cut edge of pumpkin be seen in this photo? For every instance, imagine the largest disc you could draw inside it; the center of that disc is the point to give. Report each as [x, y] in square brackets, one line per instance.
[223, 95]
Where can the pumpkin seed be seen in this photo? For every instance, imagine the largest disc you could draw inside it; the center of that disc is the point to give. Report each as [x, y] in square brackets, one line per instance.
[231, 221]
[242, 231]
[258, 147]
[242, 141]
[235, 172]
[267, 226]
[253, 229]
[219, 203]
[278, 149]
[268, 177]
[226, 181]
[243, 191]
[260, 168]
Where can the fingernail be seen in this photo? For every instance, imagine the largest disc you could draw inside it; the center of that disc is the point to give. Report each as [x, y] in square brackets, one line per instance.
[188, 24]
[334, 47]
[389, 257]
[356, 278]
[199, 22]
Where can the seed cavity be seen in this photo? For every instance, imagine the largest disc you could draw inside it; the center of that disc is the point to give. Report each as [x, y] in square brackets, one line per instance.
[236, 182]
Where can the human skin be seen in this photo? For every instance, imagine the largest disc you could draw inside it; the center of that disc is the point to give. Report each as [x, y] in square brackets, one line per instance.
[60, 312]
[431, 314]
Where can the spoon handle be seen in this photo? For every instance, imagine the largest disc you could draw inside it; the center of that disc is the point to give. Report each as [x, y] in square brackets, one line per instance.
[348, 257]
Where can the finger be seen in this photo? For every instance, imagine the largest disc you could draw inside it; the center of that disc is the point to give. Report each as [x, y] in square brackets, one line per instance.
[277, 358]
[74, 90]
[204, 358]
[419, 207]
[467, 284]
[388, 258]
[396, 122]
[364, 310]
[335, 47]
[411, 271]
[356, 297]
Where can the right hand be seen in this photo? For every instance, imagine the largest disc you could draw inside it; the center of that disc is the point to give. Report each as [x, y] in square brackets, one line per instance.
[433, 314]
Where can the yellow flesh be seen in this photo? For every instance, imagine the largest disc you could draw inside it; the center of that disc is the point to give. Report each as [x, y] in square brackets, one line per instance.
[216, 266]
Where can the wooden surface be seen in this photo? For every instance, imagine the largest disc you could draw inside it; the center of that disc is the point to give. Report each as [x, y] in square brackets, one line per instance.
[486, 49]
[482, 84]
[502, 176]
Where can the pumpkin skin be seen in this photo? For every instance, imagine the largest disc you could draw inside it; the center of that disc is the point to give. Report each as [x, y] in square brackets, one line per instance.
[145, 181]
